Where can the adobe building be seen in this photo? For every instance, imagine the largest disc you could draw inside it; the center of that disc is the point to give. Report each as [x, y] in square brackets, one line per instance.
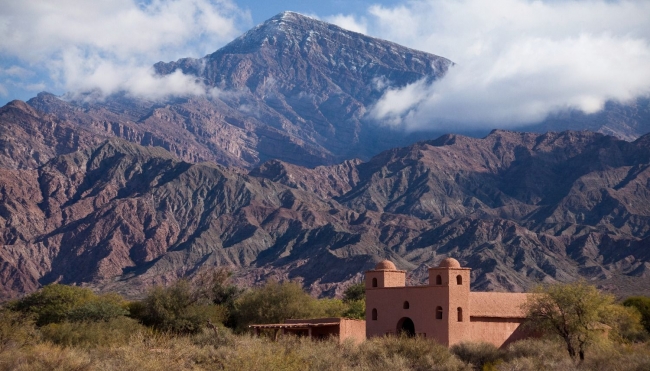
[445, 310]
[320, 328]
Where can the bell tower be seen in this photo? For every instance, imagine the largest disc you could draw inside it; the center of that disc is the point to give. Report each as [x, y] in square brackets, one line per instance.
[385, 274]
[454, 281]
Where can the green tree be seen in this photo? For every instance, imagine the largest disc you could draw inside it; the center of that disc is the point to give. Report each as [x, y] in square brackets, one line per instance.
[355, 292]
[575, 312]
[355, 299]
[215, 287]
[642, 304]
[177, 308]
[53, 303]
[273, 303]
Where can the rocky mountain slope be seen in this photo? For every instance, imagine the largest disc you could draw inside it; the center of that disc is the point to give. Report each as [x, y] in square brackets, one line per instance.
[123, 193]
[294, 88]
[518, 208]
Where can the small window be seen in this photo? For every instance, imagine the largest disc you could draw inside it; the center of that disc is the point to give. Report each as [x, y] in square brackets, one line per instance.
[438, 280]
[374, 314]
[406, 305]
[374, 282]
[459, 279]
[460, 314]
[438, 312]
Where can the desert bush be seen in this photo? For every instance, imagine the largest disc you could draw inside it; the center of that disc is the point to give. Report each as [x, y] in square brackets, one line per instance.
[405, 353]
[477, 354]
[275, 302]
[53, 303]
[355, 292]
[220, 336]
[99, 308]
[618, 357]
[328, 308]
[214, 287]
[356, 309]
[642, 304]
[116, 331]
[176, 309]
[46, 357]
[16, 330]
[58, 303]
[536, 354]
[625, 323]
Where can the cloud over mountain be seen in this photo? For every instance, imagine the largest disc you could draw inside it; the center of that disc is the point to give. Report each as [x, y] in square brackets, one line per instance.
[110, 45]
[516, 61]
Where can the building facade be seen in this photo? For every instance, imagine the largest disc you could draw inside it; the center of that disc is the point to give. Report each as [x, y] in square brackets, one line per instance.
[445, 310]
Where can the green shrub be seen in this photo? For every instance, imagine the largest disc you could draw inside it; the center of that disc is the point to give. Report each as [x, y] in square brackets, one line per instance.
[176, 309]
[116, 331]
[642, 304]
[273, 303]
[477, 354]
[53, 303]
[355, 292]
[16, 330]
[536, 354]
[625, 323]
[59, 303]
[100, 308]
[328, 308]
[404, 353]
[356, 309]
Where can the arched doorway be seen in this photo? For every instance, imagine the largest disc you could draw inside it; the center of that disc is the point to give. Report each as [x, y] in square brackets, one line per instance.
[406, 327]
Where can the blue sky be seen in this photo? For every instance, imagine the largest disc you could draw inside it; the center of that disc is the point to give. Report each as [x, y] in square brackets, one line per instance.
[516, 60]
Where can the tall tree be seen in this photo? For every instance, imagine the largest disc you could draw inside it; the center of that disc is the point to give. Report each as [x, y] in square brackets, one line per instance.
[576, 312]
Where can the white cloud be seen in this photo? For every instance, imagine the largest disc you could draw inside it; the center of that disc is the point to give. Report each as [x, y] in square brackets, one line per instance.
[516, 60]
[349, 22]
[16, 71]
[3, 91]
[109, 45]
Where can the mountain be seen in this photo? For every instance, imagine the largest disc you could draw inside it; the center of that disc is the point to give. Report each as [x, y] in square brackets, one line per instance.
[293, 88]
[276, 172]
[518, 208]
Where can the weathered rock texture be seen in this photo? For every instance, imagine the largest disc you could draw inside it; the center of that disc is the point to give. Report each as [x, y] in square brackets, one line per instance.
[143, 207]
[518, 208]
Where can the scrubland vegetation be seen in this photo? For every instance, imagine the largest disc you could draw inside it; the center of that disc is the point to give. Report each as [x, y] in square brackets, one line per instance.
[201, 325]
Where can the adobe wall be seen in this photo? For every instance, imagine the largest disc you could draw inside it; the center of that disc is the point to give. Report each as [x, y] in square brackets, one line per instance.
[352, 329]
[497, 331]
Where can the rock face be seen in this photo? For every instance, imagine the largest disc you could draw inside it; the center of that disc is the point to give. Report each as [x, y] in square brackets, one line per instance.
[518, 208]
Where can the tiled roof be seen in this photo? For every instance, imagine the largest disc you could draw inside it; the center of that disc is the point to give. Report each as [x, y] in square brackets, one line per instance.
[497, 304]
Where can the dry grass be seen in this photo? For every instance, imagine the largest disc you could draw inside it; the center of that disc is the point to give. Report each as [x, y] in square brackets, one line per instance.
[133, 347]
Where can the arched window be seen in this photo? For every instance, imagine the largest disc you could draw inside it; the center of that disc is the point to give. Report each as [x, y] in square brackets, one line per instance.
[459, 279]
[460, 314]
[406, 305]
[438, 280]
[438, 312]
[374, 282]
[374, 314]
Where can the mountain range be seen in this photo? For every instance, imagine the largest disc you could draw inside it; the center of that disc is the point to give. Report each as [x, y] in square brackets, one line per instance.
[278, 173]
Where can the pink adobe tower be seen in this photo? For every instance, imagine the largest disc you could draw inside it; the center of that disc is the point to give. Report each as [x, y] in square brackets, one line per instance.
[445, 310]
